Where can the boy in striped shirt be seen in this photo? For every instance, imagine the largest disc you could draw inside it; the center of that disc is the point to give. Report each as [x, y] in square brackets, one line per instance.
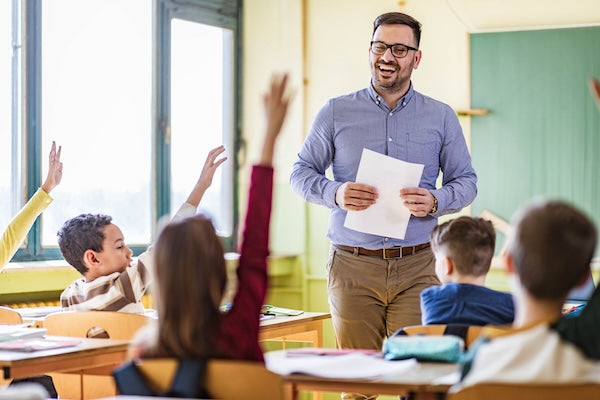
[95, 247]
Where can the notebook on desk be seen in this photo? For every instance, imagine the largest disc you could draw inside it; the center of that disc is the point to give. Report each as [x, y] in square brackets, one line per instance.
[38, 344]
[269, 309]
[15, 332]
[579, 296]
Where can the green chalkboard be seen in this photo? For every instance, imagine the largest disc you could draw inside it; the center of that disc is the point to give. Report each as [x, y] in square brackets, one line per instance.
[542, 135]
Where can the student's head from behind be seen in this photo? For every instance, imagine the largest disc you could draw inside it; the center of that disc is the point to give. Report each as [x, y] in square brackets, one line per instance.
[550, 248]
[94, 245]
[463, 247]
[190, 278]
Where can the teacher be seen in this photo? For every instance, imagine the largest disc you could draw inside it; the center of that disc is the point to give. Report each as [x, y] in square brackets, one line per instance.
[374, 282]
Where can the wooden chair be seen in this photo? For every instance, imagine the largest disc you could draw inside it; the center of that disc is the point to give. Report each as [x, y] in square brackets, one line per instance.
[10, 316]
[527, 391]
[118, 325]
[225, 379]
[115, 325]
[440, 329]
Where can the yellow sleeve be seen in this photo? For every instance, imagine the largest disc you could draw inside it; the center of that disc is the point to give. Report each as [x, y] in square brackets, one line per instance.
[16, 231]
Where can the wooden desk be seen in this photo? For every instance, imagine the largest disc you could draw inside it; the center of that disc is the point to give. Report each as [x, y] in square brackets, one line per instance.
[89, 355]
[421, 379]
[306, 327]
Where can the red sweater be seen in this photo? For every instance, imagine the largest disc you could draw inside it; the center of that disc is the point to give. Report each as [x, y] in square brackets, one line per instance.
[237, 334]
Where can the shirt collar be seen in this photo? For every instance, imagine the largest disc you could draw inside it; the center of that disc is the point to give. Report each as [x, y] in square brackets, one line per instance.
[401, 103]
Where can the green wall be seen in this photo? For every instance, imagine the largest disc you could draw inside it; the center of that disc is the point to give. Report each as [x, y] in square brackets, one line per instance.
[542, 135]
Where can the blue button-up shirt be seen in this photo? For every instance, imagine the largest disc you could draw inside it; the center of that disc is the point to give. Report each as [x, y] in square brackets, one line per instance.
[419, 130]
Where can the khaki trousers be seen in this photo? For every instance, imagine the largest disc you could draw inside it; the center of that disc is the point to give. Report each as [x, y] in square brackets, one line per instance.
[370, 298]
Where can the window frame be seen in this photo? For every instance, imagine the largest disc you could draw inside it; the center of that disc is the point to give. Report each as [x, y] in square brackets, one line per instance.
[220, 13]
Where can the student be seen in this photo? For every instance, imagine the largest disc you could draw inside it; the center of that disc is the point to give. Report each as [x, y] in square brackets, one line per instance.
[583, 330]
[95, 247]
[548, 252]
[20, 225]
[463, 249]
[190, 271]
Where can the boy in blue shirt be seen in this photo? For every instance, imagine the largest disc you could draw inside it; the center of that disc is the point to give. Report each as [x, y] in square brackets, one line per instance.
[463, 250]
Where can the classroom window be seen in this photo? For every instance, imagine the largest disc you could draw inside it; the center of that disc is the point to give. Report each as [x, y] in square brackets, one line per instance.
[8, 153]
[201, 103]
[96, 91]
[134, 134]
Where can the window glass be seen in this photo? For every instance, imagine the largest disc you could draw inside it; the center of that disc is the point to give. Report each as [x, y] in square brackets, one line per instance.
[6, 200]
[202, 115]
[96, 101]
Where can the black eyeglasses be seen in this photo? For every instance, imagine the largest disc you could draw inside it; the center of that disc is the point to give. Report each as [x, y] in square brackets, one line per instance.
[398, 50]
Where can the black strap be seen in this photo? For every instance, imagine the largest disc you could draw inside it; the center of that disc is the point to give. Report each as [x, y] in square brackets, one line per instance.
[457, 330]
[187, 383]
[189, 380]
[130, 381]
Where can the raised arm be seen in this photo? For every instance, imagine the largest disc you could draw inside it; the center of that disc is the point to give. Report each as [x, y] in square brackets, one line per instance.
[20, 225]
[55, 169]
[276, 102]
[206, 176]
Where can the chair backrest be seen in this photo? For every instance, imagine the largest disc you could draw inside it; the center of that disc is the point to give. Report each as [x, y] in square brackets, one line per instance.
[10, 316]
[503, 391]
[116, 325]
[471, 331]
[225, 379]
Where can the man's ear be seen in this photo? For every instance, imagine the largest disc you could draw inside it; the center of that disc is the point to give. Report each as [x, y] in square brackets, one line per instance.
[418, 56]
[90, 259]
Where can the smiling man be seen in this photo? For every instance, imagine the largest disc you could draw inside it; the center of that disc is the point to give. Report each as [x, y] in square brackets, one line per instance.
[374, 282]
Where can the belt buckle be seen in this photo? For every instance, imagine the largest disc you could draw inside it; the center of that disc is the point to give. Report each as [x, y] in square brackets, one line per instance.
[399, 248]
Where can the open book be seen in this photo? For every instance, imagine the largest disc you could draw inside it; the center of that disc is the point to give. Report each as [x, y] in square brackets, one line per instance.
[37, 344]
[346, 366]
[14, 332]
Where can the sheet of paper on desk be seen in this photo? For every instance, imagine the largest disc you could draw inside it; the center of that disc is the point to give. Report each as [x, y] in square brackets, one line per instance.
[345, 367]
[388, 216]
[36, 344]
[20, 331]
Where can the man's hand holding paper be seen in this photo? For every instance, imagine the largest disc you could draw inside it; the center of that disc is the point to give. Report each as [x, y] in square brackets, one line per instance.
[376, 205]
[355, 196]
[419, 201]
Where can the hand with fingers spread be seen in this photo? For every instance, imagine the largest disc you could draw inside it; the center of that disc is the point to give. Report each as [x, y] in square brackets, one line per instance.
[206, 176]
[419, 201]
[55, 169]
[354, 196]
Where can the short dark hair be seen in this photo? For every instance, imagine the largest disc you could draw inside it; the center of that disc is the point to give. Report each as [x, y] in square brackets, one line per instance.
[398, 18]
[468, 241]
[79, 234]
[552, 245]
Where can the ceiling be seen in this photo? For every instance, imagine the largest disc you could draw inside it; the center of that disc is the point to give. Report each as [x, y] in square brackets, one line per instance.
[493, 15]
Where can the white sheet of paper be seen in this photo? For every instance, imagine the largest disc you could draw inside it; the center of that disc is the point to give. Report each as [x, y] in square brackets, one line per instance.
[345, 366]
[388, 216]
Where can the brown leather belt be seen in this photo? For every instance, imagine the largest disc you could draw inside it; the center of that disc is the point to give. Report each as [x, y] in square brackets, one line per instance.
[391, 252]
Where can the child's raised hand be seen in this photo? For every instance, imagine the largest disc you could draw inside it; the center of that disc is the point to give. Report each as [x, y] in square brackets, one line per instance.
[55, 169]
[210, 166]
[206, 176]
[276, 102]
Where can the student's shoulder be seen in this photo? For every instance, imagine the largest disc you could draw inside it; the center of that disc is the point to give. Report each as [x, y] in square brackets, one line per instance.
[496, 294]
[441, 291]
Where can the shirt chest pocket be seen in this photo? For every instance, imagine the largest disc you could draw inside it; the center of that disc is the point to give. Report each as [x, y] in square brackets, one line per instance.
[423, 146]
